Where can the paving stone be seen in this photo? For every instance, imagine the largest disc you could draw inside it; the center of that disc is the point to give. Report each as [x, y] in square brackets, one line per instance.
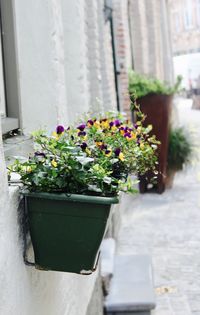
[167, 227]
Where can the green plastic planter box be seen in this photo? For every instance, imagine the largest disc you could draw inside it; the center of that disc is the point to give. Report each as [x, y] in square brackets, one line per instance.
[67, 230]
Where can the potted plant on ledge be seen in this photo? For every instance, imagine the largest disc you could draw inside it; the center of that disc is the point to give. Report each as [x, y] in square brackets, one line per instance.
[179, 153]
[72, 180]
[155, 100]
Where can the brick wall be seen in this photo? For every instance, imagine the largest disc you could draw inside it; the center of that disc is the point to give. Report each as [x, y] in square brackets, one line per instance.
[123, 51]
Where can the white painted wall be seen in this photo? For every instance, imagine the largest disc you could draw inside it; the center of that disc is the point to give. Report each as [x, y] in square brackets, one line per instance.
[42, 86]
[27, 291]
[63, 65]
[52, 61]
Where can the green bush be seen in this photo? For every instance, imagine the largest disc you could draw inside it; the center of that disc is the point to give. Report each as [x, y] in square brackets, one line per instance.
[179, 149]
[141, 85]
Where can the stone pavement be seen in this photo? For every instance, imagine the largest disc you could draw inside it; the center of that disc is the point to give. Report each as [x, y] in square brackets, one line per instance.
[167, 227]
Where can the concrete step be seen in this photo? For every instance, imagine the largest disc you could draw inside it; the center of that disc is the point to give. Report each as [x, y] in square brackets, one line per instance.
[131, 289]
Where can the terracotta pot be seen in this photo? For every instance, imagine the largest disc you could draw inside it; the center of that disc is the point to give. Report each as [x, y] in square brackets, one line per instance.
[170, 178]
[157, 109]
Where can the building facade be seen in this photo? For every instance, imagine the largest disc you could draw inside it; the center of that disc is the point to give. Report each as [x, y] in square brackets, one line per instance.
[185, 24]
[151, 38]
[59, 59]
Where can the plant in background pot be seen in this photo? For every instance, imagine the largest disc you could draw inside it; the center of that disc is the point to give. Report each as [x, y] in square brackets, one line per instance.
[179, 153]
[72, 179]
[155, 100]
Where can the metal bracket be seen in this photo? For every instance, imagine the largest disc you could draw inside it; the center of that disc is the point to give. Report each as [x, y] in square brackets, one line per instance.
[25, 230]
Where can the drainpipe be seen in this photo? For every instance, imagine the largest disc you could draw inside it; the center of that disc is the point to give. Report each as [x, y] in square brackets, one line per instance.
[130, 33]
[109, 17]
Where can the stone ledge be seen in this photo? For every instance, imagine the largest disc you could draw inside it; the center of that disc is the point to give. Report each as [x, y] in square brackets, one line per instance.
[131, 287]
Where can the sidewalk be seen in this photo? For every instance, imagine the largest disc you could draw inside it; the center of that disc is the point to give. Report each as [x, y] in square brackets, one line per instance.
[167, 227]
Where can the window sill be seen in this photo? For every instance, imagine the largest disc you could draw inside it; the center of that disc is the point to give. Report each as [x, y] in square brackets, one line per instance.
[17, 147]
[9, 124]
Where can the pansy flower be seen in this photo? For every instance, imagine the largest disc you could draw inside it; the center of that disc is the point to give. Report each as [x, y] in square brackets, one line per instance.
[82, 133]
[127, 135]
[119, 154]
[117, 122]
[54, 163]
[84, 146]
[105, 124]
[108, 152]
[39, 154]
[103, 147]
[90, 122]
[97, 124]
[60, 129]
[81, 127]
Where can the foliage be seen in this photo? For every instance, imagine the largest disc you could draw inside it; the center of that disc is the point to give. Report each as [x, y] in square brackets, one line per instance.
[94, 157]
[142, 85]
[179, 149]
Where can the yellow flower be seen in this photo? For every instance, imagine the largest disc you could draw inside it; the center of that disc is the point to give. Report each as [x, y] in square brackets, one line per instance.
[54, 163]
[29, 169]
[97, 124]
[88, 151]
[133, 135]
[108, 152]
[98, 143]
[105, 124]
[113, 128]
[121, 156]
[56, 135]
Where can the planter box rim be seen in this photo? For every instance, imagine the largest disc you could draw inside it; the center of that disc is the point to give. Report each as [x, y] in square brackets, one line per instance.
[73, 197]
[156, 94]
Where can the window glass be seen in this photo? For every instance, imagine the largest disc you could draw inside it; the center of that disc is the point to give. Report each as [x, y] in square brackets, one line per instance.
[188, 15]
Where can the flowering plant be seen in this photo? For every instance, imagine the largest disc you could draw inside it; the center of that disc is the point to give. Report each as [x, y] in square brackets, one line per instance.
[94, 157]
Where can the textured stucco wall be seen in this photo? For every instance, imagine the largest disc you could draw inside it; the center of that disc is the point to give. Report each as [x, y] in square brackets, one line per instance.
[53, 89]
[65, 61]
[26, 291]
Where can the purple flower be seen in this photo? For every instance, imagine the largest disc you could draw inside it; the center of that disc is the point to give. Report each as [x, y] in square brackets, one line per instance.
[81, 127]
[39, 154]
[127, 135]
[117, 151]
[90, 121]
[82, 133]
[117, 123]
[135, 126]
[103, 147]
[60, 129]
[107, 151]
[111, 123]
[121, 128]
[83, 145]
[130, 129]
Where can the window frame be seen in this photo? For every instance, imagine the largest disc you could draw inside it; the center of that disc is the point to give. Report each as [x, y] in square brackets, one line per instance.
[10, 66]
[188, 16]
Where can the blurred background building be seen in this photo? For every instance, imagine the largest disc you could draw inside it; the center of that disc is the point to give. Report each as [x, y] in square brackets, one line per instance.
[59, 59]
[185, 26]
